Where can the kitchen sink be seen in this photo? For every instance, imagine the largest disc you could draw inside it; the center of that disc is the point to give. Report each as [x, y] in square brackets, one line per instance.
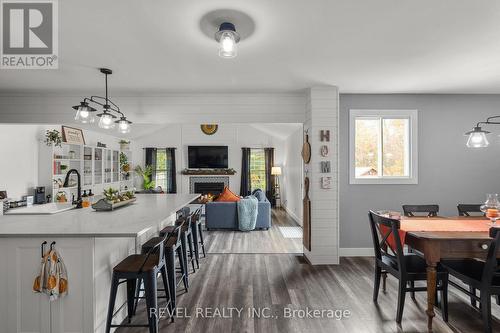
[50, 208]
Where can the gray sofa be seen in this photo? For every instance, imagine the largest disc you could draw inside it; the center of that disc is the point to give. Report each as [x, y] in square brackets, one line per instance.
[224, 215]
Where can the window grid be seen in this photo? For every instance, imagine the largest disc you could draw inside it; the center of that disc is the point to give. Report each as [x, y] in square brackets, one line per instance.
[161, 172]
[257, 169]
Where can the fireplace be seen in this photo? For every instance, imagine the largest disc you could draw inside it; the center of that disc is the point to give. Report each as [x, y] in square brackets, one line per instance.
[212, 188]
[205, 185]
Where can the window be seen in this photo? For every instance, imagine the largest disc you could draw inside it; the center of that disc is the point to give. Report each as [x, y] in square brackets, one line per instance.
[257, 169]
[161, 169]
[383, 146]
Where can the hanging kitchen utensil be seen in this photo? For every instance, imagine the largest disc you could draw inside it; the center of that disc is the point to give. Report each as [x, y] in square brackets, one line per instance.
[306, 150]
[307, 216]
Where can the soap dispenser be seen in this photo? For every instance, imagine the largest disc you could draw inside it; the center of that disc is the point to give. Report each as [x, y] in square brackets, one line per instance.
[85, 200]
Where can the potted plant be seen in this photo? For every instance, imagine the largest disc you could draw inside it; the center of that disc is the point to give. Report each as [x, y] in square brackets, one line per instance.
[124, 144]
[124, 165]
[148, 184]
[53, 138]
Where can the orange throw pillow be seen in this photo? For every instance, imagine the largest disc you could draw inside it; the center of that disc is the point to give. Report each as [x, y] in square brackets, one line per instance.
[228, 196]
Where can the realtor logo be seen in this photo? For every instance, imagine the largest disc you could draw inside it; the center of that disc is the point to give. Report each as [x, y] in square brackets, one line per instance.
[29, 34]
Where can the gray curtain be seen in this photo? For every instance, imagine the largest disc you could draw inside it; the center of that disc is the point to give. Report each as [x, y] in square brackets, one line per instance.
[269, 157]
[172, 179]
[151, 160]
[245, 172]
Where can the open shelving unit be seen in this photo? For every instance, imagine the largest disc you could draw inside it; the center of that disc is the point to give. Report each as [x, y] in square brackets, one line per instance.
[99, 168]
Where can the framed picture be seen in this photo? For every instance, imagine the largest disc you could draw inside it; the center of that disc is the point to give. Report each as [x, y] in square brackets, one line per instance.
[73, 135]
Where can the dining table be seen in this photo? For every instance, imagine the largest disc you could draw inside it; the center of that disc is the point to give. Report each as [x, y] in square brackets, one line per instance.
[438, 238]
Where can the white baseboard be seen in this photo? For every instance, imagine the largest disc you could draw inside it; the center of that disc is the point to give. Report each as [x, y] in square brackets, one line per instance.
[356, 252]
[292, 215]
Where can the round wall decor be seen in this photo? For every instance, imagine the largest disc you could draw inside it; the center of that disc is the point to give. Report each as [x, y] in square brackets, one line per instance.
[209, 129]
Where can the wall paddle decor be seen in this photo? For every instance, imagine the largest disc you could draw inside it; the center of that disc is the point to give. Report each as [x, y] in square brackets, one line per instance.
[306, 150]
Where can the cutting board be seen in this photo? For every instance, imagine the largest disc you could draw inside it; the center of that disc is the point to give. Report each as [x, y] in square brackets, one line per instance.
[306, 150]
[306, 221]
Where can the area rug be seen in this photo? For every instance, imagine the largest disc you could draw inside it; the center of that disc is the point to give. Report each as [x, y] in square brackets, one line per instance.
[291, 232]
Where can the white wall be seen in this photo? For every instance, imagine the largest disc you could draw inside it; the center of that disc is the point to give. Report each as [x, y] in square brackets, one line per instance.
[292, 177]
[235, 136]
[19, 155]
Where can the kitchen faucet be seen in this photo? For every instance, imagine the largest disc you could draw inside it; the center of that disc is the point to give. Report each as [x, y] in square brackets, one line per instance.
[78, 201]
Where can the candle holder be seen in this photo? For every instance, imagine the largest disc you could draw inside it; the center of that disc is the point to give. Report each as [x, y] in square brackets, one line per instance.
[491, 207]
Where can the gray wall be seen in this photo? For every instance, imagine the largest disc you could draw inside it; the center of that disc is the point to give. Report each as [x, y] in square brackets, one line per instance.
[449, 172]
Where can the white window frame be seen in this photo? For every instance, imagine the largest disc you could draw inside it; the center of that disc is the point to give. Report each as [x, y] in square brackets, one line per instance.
[412, 115]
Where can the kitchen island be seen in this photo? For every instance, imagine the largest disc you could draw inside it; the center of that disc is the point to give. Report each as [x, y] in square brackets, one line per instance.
[91, 244]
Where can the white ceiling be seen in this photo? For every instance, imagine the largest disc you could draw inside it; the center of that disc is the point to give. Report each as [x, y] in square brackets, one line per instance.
[383, 46]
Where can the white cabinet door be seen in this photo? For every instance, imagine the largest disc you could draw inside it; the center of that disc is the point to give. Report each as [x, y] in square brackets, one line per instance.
[26, 310]
[74, 312]
[22, 310]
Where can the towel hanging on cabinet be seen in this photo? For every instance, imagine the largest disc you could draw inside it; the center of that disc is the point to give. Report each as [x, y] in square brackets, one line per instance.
[53, 277]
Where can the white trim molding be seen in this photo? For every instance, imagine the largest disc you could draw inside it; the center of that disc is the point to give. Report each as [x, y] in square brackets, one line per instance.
[293, 215]
[356, 252]
[412, 116]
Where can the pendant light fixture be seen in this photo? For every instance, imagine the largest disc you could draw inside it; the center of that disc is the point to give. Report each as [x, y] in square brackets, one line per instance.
[477, 137]
[227, 37]
[84, 112]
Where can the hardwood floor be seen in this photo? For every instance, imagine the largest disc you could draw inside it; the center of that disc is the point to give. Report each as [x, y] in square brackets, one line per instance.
[257, 241]
[284, 281]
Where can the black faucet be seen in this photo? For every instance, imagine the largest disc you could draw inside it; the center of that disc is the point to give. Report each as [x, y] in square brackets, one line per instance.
[78, 201]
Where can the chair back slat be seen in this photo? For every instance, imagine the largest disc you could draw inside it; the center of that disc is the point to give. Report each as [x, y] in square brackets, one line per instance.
[157, 248]
[384, 229]
[491, 267]
[431, 210]
[466, 209]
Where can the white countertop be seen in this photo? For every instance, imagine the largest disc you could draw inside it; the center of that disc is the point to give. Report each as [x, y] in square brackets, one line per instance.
[129, 221]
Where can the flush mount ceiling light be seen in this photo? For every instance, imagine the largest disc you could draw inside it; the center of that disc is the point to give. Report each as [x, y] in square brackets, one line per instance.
[84, 112]
[227, 37]
[477, 137]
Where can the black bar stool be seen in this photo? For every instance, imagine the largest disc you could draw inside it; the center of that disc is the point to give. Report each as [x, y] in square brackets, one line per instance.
[197, 231]
[186, 239]
[172, 247]
[134, 268]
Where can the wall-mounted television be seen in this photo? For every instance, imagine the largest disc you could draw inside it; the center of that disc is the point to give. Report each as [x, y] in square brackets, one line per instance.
[207, 157]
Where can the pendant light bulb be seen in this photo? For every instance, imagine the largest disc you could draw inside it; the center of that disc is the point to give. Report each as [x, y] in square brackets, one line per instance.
[123, 125]
[477, 138]
[227, 37]
[84, 113]
[106, 121]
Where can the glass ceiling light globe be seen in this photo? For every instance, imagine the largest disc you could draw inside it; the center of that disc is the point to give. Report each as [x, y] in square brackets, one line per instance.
[84, 113]
[106, 121]
[84, 116]
[227, 37]
[477, 138]
[227, 45]
[123, 126]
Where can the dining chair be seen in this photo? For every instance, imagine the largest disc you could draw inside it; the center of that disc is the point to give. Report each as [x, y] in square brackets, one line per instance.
[431, 210]
[466, 209]
[482, 275]
[389, 258]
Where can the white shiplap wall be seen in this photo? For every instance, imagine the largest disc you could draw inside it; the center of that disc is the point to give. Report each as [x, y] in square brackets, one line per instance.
[322, 114]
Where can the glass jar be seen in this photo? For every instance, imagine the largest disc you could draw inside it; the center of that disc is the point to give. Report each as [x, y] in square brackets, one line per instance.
[491, 207]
